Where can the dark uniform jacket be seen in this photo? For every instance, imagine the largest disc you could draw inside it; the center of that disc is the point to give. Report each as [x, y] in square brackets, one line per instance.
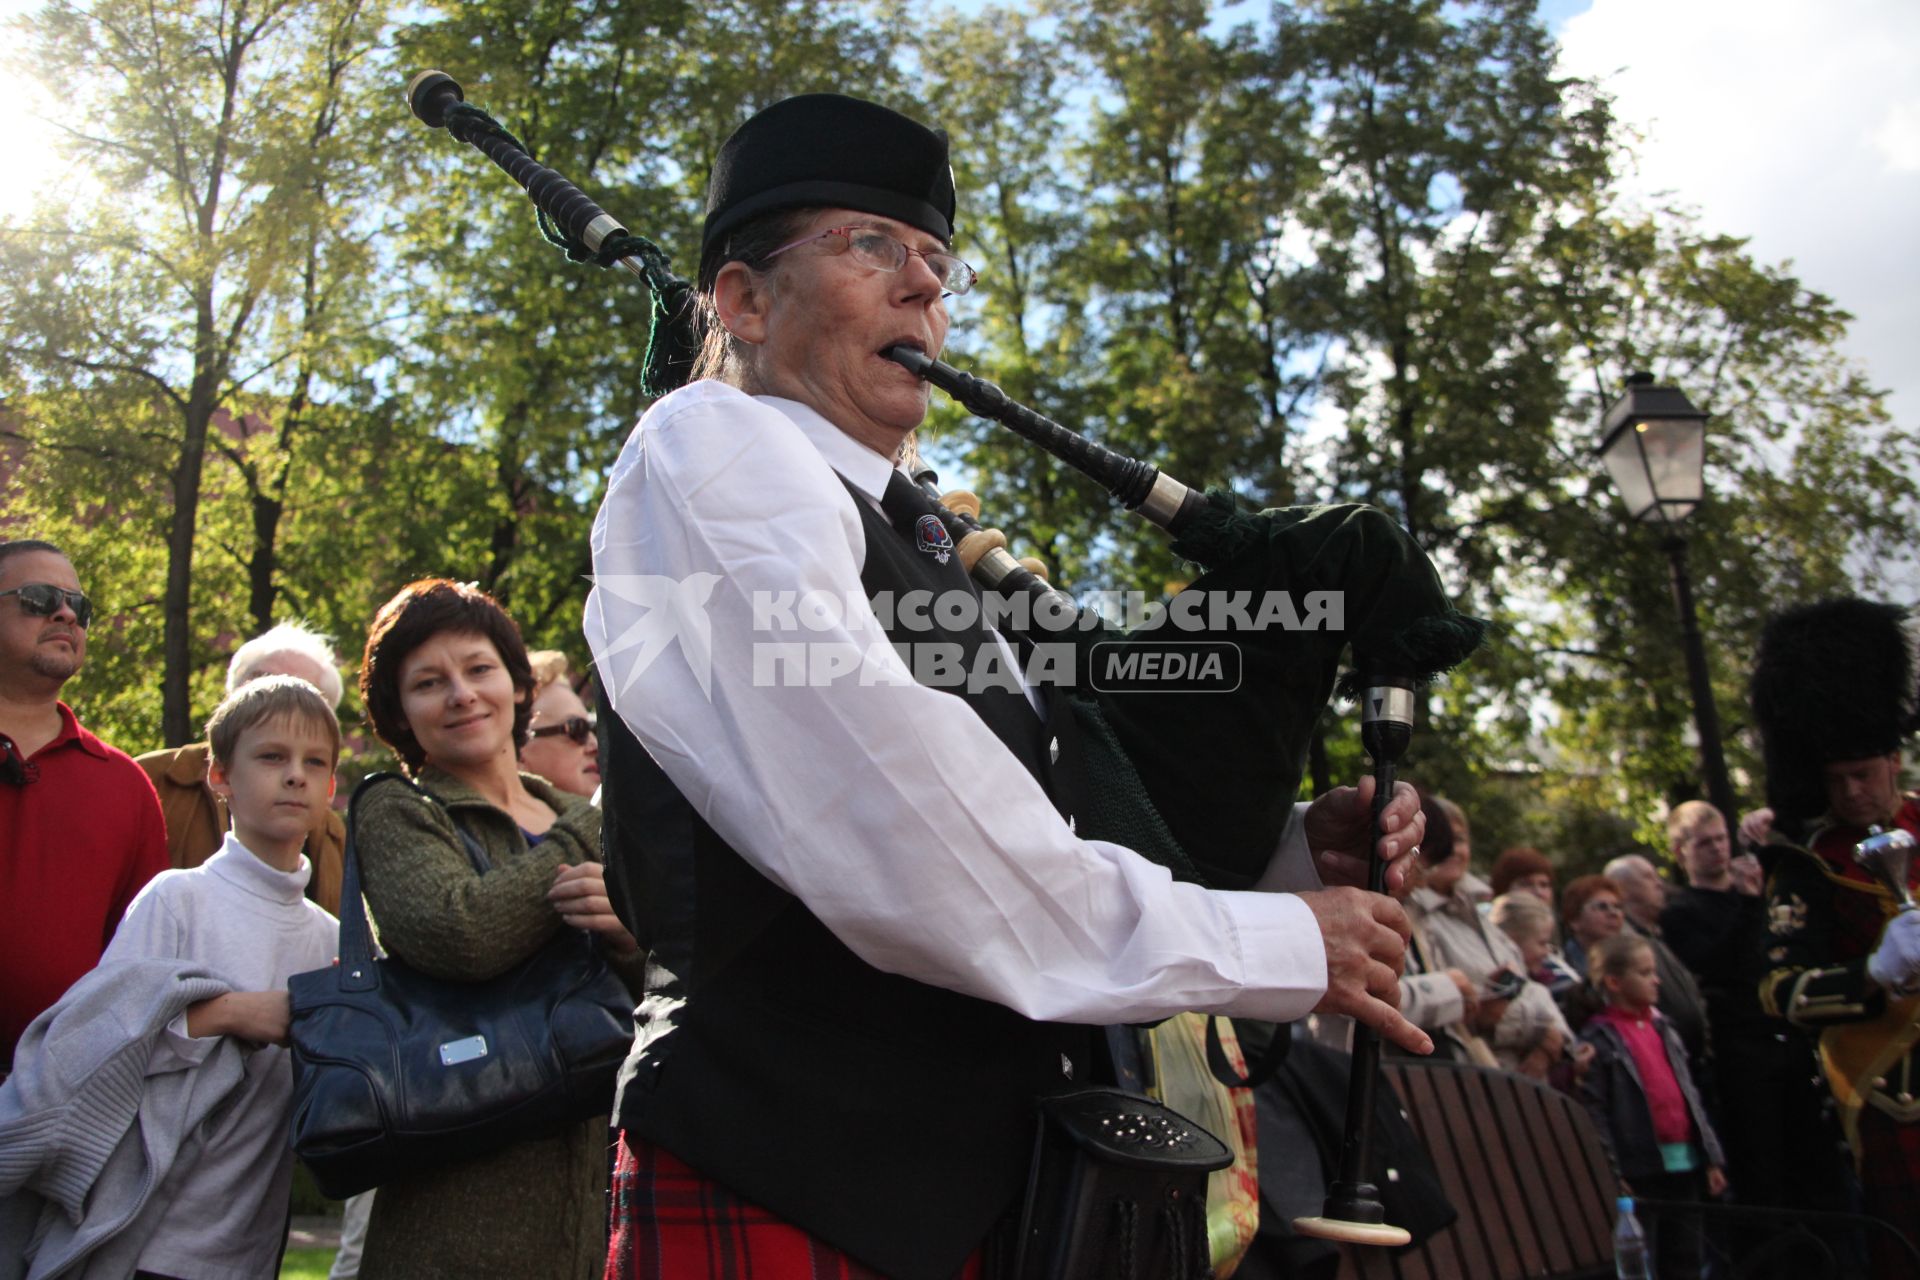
[1825, 915]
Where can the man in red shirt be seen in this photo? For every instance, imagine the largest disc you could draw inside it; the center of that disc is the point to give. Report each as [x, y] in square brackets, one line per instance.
[80, 826]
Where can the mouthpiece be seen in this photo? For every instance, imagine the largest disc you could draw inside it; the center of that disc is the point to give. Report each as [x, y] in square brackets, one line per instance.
[430, 93]
[915, 362]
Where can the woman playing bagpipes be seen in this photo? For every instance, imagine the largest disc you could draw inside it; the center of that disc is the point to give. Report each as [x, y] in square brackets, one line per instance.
[885, 939]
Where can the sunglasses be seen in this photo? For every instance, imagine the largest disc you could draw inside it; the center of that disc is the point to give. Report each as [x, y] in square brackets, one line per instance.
[577, 728]
[43, 600]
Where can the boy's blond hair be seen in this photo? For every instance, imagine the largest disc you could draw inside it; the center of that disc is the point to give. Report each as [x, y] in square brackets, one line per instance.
[1613, 956]
[264, 699]
[1521, 915]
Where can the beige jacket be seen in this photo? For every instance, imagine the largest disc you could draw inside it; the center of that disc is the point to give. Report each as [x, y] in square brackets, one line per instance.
[1458, 937]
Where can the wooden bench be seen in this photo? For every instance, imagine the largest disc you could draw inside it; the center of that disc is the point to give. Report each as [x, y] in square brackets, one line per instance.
[1523, 1165]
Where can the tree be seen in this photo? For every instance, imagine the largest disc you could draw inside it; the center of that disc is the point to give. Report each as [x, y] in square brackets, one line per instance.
[1485, 290]
[531, 362]
[148, 315]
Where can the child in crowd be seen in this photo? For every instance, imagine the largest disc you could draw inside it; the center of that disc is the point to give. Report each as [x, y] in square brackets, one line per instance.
[1643, 1099]
[213, 1204]
[1528, 920]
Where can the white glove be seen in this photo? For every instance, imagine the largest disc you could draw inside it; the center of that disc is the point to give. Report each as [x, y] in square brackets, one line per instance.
[1895, 964]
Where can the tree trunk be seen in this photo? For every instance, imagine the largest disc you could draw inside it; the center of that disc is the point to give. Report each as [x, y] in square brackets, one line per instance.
[265, 561]
[176, 710]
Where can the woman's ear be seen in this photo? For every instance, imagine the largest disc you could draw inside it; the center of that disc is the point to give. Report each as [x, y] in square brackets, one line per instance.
[741, 299]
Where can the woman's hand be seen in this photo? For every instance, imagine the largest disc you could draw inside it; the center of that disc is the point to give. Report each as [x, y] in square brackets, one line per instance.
[1716, 1181]
[579, 894]
[1488, 1016]
[1365, 936]
[1469, 995]
[1339, 823]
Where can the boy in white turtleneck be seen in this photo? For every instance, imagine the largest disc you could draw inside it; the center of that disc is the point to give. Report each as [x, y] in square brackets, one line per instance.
[242, 915]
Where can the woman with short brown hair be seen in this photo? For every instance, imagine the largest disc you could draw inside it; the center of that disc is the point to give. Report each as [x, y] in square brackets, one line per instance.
[448, 686]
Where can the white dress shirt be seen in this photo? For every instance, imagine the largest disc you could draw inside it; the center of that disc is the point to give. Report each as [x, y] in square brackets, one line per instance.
[887, 807]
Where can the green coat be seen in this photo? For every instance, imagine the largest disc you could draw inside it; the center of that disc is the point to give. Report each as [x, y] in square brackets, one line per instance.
[537, 1208]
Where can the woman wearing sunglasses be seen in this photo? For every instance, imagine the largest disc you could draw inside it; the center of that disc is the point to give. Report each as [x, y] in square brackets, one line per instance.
[560, 744]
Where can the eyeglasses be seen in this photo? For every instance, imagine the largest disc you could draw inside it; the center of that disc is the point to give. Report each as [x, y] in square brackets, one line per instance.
[881, 251]
[43, 600]
[1603, 904]
[577, 728]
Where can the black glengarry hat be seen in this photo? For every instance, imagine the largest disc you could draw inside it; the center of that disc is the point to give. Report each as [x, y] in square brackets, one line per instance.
[830, 150]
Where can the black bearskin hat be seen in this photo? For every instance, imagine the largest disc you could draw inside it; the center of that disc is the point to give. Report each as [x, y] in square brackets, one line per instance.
[1832, 681]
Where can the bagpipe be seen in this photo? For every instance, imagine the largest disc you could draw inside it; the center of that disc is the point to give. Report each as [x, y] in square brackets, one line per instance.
[1201, 780]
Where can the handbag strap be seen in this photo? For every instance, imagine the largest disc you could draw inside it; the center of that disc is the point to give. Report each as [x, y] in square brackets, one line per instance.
[1260, 1072]
[357, 969]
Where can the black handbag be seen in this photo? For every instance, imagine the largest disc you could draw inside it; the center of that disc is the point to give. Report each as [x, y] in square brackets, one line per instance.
[396, 1072]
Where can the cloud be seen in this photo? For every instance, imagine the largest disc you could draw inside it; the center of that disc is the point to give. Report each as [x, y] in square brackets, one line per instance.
[1899, 137]
[1791, 123]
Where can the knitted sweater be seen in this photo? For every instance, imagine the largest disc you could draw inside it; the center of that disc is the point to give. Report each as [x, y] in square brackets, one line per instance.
[88, 1138]
[535, 1208]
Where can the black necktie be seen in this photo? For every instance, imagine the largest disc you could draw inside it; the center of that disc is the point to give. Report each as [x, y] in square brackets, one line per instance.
[911, 513]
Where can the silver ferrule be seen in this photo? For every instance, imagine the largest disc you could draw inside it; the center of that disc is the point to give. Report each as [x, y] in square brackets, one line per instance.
[992, 568]
[599, 229]
[1164, 500]
[1386, 702]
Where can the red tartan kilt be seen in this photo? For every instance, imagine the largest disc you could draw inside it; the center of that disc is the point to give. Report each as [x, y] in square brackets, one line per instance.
[666, 1222]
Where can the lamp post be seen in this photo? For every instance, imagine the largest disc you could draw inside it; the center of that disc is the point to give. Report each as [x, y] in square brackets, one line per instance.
[1654, 443]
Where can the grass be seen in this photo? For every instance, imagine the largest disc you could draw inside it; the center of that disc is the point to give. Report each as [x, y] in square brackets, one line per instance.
[306, 1264]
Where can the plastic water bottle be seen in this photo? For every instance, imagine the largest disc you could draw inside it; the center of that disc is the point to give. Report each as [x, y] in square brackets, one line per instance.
[1629, 1244]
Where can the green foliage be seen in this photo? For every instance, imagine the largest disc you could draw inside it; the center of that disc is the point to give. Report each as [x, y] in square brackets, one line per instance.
[307, 1264]
[1364, 250]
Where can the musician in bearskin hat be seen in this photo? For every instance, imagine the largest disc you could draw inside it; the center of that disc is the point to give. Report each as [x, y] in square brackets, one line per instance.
[1834, 697]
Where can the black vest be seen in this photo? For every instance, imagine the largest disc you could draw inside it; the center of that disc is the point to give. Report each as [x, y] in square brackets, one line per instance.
[890, 1118]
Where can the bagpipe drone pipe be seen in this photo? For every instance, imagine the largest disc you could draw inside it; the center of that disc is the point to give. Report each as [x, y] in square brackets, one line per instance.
[1202, 781]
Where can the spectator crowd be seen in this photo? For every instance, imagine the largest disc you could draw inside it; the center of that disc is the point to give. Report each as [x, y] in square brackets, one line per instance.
[154, 909]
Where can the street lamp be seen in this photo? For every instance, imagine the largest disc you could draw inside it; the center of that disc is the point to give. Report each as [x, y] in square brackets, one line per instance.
[1654, 443]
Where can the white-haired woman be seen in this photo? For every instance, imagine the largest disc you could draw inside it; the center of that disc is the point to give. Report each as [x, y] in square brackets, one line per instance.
[196, 817]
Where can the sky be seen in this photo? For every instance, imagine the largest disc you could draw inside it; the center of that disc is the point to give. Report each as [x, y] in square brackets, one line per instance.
[1792, 123]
